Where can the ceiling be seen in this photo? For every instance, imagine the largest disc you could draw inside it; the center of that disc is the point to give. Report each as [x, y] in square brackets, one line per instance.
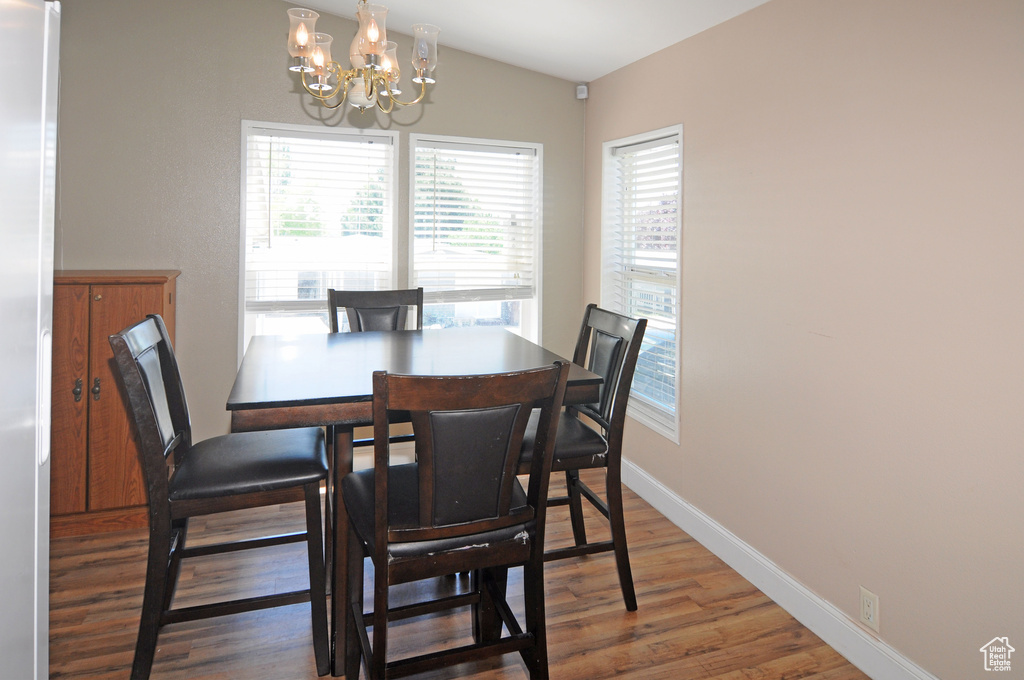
[578, 40]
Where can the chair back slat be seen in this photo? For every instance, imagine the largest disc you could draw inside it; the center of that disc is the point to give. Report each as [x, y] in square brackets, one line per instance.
[471, 452]
[151, 370]
[155, 398]
[376, 318]
[607, 352]
[609, 344]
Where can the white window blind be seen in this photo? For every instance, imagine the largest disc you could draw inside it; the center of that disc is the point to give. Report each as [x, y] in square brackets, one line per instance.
[476, 220]
[641, 252]
[318, 214]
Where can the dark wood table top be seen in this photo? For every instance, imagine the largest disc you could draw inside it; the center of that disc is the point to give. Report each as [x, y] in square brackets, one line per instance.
[297, 371]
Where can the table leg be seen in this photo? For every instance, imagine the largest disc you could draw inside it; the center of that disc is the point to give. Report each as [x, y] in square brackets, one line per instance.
[342, 465]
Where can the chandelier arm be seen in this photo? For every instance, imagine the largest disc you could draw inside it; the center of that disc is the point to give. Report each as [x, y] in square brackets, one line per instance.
[308, 89]
[390, 106]
[380, 85]
[368, 77]
[324, 100]
[344, 82]
[302, 76]
[423, 93]
[322, 97]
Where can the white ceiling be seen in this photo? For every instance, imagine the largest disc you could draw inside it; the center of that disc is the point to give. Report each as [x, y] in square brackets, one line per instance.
[578, 40]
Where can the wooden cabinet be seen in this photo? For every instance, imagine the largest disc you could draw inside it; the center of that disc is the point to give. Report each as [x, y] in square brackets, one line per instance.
[94, 467]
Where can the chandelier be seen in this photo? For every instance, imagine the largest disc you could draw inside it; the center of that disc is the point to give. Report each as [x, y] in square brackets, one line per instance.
[373, 78]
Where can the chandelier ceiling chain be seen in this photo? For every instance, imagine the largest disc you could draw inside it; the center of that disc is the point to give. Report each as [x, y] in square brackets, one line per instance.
[373, 78]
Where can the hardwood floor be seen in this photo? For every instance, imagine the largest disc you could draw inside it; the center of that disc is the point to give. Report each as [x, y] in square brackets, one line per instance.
[697, 618]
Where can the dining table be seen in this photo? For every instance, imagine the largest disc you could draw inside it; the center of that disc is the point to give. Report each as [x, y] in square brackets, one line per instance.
[326, 380]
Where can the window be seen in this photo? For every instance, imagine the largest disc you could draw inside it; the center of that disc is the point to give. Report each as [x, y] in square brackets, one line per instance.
[641, 239]
[317, 211]
[476, 232]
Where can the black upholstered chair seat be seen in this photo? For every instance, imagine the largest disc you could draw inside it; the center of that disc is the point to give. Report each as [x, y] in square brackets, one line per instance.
[403, 511]
[577, 445]
[250, 462]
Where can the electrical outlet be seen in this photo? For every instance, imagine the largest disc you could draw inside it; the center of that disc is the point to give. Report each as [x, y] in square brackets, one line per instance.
[869, 609]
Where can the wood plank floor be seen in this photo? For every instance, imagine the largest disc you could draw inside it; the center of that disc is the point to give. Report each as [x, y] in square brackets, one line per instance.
[697, 618]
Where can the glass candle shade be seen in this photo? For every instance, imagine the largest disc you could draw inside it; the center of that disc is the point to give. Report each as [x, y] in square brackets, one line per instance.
[372, 35]
[424, 51]
[389, 64]
[300, 37]
[354, 56]
[321, 61]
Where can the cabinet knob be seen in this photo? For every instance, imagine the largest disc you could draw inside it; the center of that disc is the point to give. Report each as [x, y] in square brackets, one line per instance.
[95, 389]
[98, 298]
[77, 391]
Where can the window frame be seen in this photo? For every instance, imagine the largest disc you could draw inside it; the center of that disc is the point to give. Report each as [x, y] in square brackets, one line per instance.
[532, 328]
[318, 132]
[652, 415]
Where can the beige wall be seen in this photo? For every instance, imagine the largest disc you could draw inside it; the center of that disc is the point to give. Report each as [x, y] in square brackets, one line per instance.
[152, 97]
[853, 378]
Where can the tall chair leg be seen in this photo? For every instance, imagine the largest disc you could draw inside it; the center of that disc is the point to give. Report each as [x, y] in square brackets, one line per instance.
[536, 657]
[317, 579]
[378, 664]
[329, 506]
[353, 580]
[486, 620]
[154, 595]
[579, 529]
[179, 533]
[616, 520]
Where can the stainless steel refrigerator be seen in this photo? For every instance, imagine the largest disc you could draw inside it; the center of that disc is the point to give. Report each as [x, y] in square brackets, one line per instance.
[29, 45]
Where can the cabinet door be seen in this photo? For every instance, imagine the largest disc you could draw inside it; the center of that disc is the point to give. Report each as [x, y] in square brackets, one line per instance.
[115, 476]
[70, 373]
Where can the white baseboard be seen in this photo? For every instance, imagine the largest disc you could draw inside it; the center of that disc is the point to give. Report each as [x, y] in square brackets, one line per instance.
[874, 657]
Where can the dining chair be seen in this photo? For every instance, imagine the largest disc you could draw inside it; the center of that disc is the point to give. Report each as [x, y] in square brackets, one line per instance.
[186, 479]
[368, 310]
[459, 508]
[608, 344]
[375, 310]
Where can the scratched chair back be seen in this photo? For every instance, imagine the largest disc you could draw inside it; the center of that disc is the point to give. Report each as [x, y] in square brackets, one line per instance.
[460, 508]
